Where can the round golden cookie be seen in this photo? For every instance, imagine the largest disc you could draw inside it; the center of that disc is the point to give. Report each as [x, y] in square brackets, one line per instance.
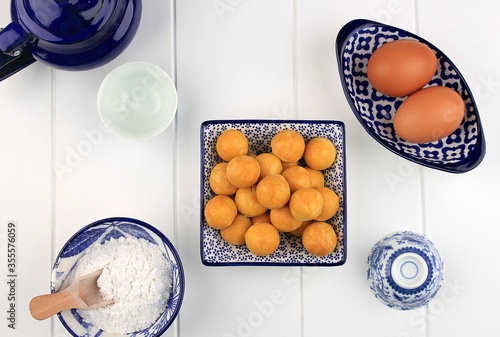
[243, 171]
[320, 153]
[269, 164]
[288, 145]
[220, 211]
[266, 217]
[331, 203]
[219, 182]
[297, 177]
[235, 232]
[319, 239]
[231, 143]
[262, 239]
[290, 164]
[298, 232]
[306, 204]
[273, 191]
[247, 203]
[283, 220]
[317, 177]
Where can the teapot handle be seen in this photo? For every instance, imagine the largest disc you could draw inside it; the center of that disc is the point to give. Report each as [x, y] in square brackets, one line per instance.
[15, 49]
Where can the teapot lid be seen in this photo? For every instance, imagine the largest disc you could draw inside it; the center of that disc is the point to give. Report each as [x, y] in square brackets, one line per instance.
[66, 21]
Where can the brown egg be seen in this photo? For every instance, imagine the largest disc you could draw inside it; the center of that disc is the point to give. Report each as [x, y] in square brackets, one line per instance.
[429, 114]
[243, 171]
[401, 67]
[231, 143]
[262, 239]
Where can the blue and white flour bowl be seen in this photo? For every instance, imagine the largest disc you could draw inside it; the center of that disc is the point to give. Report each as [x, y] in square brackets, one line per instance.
[101, 233]
[405, 270]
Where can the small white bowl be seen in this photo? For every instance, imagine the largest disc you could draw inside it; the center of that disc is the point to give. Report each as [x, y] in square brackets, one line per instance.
[137, 100]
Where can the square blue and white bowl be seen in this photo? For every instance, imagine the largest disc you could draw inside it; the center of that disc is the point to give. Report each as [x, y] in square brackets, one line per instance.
[215, 251]
[99, 233]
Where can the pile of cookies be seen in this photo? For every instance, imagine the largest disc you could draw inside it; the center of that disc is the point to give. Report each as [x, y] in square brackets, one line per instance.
[257, 196]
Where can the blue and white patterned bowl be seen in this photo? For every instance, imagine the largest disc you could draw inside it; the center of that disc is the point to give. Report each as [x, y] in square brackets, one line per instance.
[460, 152]
[215, 251]
[405, 270]
[96, 234]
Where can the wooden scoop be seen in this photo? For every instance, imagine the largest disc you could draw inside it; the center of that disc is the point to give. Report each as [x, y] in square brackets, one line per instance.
[83, 293]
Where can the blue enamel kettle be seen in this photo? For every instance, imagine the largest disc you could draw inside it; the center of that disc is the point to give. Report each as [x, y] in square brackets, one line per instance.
[67, 34]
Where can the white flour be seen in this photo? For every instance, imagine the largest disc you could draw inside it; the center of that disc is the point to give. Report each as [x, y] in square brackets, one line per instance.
[136, 276]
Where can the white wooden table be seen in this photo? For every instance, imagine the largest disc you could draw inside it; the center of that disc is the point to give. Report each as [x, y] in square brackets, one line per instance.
[60, 169]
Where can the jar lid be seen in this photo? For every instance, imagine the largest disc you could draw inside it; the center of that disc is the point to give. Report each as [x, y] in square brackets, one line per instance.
[68, 22]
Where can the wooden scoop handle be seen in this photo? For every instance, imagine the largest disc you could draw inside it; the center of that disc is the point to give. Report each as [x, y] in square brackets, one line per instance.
[45, 306]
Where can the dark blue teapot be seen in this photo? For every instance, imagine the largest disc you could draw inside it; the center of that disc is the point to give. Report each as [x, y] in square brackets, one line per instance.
[67, 34]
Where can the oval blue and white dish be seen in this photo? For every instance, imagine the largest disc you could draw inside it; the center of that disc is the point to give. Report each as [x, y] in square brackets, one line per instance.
[215, 251]
[98, 233]
[405, 270]
[460, 152]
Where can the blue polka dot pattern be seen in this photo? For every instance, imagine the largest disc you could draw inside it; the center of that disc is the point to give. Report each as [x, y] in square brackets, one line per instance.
[214, 250]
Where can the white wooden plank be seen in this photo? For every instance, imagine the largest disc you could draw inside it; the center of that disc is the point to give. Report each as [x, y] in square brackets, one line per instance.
[383, 190]
[26, 191]
[234, 61]
[100, 174]
[460, 209]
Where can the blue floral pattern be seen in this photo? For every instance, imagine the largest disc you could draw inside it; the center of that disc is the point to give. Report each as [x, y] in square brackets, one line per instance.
[460, 152]
[215, 250]
[380, 277]
[98, 233]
